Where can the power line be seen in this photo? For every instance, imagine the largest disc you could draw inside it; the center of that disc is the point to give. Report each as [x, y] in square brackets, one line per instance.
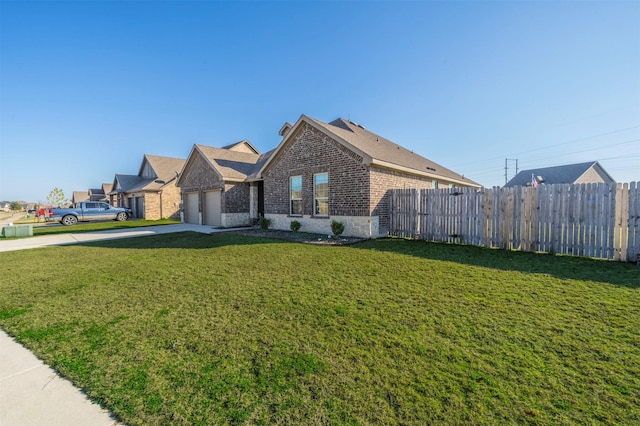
[539, 148]
[497, 171]
[590, 149]
[579, 140]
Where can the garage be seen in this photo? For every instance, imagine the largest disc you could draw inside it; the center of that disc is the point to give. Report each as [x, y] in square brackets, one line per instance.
[191, 208]
[212, 208]
[138, 212]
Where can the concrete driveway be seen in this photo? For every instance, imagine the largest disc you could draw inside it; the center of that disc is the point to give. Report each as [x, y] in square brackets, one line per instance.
[71, 238]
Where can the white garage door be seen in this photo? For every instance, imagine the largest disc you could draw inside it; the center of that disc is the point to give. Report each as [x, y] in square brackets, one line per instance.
[212, 208]
[191, 208]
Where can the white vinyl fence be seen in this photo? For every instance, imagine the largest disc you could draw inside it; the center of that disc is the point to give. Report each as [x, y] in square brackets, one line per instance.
[596, 220]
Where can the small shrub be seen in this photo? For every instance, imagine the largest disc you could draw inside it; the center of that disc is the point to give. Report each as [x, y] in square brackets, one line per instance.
[295, 225]
[337, 228]
[265, 223]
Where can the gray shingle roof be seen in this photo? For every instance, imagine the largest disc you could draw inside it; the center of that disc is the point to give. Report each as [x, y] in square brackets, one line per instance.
[568, 173]
[380, 151]
[125, 182]
[232, 165]
[165, 168]
[242, 146]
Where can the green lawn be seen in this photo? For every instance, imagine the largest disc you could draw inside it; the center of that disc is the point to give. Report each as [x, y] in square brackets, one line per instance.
[226, 329]
[49, 228]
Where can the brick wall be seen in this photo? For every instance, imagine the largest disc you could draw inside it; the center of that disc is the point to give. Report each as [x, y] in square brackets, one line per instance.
[311, 152]
[171, 201]
[199, 176]
[236, 198]
[152, 205]
[382, 180]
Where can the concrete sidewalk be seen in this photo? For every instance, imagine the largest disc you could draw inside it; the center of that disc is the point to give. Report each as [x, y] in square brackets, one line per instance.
[31, 393]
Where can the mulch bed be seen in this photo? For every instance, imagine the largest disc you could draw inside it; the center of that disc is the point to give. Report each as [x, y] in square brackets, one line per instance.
[300, 237]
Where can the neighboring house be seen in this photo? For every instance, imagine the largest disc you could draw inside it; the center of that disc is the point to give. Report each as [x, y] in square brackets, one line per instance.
[97, 194]
[152, 193]
[340, 171]
[590, 172]
[100, 194]
[79, 196]
[117, 195]
[219, 186]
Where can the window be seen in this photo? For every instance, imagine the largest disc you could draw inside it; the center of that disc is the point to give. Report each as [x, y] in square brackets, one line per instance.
[295, 185]
[321, 194]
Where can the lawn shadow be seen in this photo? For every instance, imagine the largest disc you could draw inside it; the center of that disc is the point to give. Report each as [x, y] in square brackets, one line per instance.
[563, 267]
[181, 240]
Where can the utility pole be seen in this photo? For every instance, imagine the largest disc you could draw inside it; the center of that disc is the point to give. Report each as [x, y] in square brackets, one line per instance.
[506, 168]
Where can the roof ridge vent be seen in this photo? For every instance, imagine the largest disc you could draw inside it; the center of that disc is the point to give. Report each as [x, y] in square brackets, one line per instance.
[356, 124]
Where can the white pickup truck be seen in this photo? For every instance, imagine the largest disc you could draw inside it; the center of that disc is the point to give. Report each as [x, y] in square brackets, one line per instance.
[90, 210]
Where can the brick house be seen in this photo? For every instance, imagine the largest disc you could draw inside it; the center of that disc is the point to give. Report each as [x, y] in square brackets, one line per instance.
[589, 172]
[79, 196]
[341, 171]
[219, 186]
[151, 194]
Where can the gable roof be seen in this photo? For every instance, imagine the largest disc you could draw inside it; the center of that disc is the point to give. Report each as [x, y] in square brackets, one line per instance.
[122, 183]
[165, 168]
[374, 150]
[78, 196]
[242, 146]
[230, 164]
[568, 173]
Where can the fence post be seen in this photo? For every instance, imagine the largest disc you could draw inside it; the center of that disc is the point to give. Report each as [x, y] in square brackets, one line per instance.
[633, 221]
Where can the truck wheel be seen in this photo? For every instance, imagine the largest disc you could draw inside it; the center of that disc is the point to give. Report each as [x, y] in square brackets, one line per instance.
[122, 216]
[69, 220]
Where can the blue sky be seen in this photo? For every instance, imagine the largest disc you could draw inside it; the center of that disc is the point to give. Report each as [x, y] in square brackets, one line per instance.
[88, 88]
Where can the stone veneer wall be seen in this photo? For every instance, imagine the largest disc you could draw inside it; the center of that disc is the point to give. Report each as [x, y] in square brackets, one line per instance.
[311, 151]
[354, 226]
[235, 220]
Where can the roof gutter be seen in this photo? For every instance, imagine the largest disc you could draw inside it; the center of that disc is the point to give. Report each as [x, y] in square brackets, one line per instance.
[391, 166]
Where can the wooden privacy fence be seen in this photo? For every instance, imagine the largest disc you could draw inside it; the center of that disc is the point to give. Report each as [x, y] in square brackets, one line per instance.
[599, 220]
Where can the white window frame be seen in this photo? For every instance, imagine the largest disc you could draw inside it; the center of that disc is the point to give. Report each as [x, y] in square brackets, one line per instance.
[291, 195]
[316, 198]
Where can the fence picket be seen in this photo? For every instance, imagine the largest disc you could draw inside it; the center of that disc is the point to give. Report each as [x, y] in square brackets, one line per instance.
[595, 220]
